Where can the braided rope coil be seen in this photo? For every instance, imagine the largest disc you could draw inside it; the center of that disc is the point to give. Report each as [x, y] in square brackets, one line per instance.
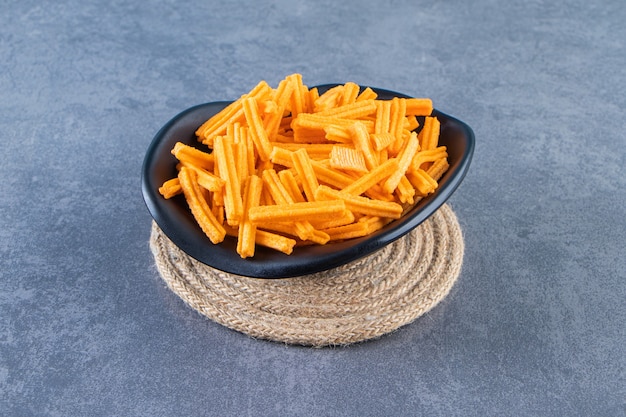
[362, 300]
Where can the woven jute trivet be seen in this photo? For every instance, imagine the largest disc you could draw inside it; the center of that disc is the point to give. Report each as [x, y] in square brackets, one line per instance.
[361, 300]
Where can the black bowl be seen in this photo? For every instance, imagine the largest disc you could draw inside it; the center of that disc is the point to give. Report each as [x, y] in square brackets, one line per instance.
[174, 217]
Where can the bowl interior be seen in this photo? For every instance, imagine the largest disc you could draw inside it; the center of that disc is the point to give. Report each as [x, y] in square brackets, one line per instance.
[174, 217]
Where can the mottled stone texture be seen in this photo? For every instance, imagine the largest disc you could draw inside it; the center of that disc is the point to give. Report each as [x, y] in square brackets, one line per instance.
[535, 325]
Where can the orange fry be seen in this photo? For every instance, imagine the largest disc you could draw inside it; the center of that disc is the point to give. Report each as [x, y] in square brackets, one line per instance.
[382, 140]
[383, 112]
[297, 211]
[186, 153]
[422, 182]
[291, 185]
[367, 94]
[256, 128]
[419, 106]
[303, 167]
[362, 142]
[328, 99]
[350, 93]
[347, 159]
[170, 188]
[338, 134]
[349, 231]
[346, 217]
[404, 161]
[372, 178]
[274, 241]
[206, 179]
[247, 230]
[217, 124]
[228, 172]
[199, 207]
[351, 111]
[358, 204]
[429, 136]
[281, 196]
[430, 155]
[438, 168]
[396, 123]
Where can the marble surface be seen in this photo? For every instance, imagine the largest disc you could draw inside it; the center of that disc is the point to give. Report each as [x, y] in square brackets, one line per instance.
[535, 324]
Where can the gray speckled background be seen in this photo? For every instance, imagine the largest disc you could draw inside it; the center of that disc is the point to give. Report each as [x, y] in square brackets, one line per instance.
[535, 324]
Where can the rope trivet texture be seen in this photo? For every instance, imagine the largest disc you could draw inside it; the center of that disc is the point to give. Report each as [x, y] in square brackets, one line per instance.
[362, 300]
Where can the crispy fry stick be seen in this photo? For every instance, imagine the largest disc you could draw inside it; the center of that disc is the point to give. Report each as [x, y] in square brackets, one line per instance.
[316, 151]
[281, 156]
[217, 124]
[358, 204]
[372, 178]
[404, 161]
[271, 123]
[422, 182]
[256, 128]
[224, 159]
[438, 168]
[282, 94]
[430, 155]
[328, 99]
[350, 93]
[374, 223]
[298, 102]
[199, 207]
[338, 134]
[206, 179]
[306, 135]
[347, 159]
[382, 140]
[297, 211]
[186, 153]
[405, 191]
[419, 106]
[396, 123]
[367, 94]
[170, 188]
[302, 165]
[429, 136]
[247, 230]
[349, 231]
[347, 217]
[291, 185]
[351, 111]
[361, 139]
[281, 196]
[329, 176]
[383, 112]
[411, 123]
[274, 241]
[314, 94]
[320, 122]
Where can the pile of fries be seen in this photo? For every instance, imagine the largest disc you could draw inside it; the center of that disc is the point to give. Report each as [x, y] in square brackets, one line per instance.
[290, 166]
